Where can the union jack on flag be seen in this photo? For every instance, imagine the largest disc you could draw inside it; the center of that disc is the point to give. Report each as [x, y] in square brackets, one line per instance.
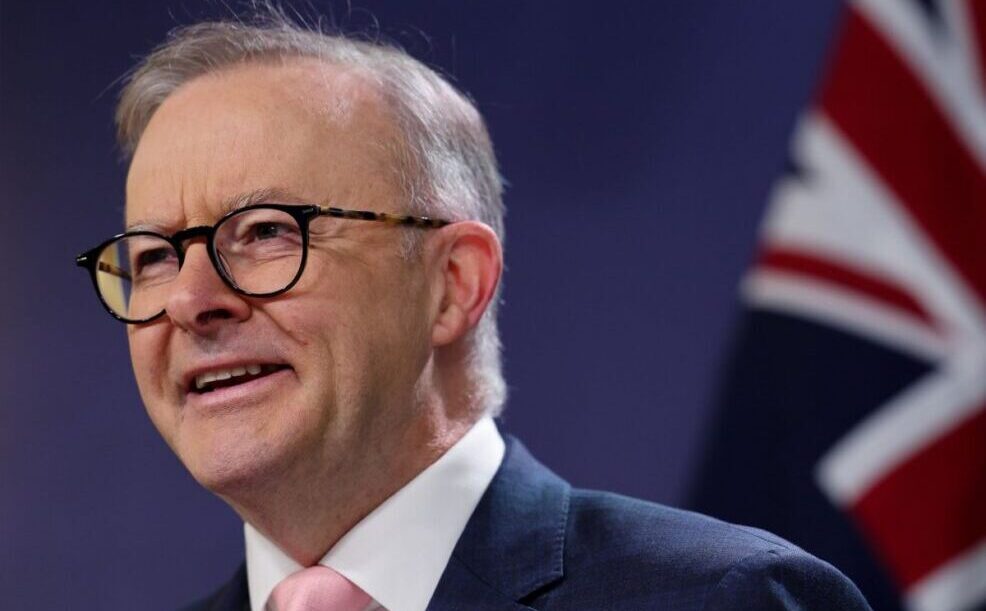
[852, 419]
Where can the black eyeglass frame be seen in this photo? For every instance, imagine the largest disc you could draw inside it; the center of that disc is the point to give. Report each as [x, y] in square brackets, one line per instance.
[301, 213]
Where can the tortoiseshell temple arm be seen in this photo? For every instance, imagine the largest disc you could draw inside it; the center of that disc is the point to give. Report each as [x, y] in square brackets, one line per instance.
[112, 269]
[383, 217]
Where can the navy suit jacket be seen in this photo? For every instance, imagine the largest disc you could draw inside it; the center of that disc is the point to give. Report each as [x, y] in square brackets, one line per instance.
[534, 542]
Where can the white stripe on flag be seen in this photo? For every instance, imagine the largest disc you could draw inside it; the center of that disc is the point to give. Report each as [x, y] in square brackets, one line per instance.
[941, 62]
[917, 416]
[958, 585]
[803, 296]
[845, 214]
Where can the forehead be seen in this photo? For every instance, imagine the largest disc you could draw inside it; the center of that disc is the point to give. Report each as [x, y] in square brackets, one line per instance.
[318, 131]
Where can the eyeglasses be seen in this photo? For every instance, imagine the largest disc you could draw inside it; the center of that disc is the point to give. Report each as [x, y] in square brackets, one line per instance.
[258, 251]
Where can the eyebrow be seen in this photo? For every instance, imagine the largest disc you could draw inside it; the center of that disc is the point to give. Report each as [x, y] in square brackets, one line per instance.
[229, 204]
[258, 196]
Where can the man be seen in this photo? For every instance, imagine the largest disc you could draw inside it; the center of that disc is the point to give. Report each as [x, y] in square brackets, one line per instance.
[309, 280]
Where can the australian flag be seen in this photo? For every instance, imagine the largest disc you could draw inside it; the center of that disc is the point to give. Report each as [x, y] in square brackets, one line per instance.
[852, 418]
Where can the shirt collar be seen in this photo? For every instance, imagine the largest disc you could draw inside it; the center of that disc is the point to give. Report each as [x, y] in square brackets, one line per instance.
[398, 552]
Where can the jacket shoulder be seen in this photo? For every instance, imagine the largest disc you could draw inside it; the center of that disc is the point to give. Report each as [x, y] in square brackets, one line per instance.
[618, 548]
[633, 528]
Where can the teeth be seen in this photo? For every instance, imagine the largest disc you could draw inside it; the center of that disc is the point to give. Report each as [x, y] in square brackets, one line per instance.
[225, 374]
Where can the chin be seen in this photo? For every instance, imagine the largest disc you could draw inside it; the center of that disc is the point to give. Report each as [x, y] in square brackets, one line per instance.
[231, 465]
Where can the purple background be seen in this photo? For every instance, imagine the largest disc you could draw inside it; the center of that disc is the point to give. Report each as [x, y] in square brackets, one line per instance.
[640, 140]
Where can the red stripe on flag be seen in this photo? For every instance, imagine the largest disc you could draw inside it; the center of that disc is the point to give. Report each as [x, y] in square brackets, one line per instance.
[870, 286]
[977, 15]
[889, 117]
[932, 507]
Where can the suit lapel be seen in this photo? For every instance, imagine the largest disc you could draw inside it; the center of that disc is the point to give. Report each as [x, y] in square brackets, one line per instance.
[460, 589]
[514, 543]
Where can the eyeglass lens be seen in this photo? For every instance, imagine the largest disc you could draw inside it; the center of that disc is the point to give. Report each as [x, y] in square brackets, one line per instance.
[260, 252]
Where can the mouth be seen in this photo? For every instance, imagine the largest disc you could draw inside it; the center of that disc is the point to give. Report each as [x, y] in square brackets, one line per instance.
[210, 381]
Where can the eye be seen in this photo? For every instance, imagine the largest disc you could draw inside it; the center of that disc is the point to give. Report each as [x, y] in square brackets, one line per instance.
[260, 231]
[269, 230]
[150, 257]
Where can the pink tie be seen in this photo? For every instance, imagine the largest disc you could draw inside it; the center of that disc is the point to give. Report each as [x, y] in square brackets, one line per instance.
[317, 588]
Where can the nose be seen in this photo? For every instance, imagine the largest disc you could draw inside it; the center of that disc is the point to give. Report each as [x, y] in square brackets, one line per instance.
[200, 302]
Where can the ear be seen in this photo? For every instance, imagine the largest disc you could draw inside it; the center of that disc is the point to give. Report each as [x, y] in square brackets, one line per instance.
[470, 262]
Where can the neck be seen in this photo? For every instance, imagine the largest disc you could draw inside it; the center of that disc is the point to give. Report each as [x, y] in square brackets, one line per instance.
[307, 511]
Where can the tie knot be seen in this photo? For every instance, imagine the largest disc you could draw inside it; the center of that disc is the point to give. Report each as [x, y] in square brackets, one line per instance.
[317, 588]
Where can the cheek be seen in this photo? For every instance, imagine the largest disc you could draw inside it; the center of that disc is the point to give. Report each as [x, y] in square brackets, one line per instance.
[332, 327]
[349, 321]
[148, 357]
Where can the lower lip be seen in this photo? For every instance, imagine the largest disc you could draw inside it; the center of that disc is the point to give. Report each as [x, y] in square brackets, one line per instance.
[239, 395]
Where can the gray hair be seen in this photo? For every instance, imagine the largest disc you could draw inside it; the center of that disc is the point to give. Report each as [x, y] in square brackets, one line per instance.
[448, 167]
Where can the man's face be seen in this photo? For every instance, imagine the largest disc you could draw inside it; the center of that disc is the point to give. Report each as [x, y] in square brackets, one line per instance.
[345, 346]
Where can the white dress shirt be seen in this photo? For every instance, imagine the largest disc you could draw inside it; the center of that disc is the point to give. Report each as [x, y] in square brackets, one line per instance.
[398, 552]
